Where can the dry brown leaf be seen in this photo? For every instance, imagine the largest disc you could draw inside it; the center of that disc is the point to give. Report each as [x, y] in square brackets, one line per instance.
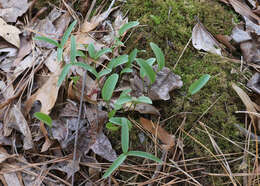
[10, 33]
[25, 49]
[16, 120]
[103, 148]
[202, 39]
[157, 130]
[10, 10]
[91, 90]
[47, 94]
[253, 83]
[244, 10]
[248, 103]
[96, 20]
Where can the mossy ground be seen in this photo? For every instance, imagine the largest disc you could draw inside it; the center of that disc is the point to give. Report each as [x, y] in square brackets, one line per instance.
[169, 24]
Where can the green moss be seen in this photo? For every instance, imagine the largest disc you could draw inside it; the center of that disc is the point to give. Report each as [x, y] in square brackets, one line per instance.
[171, 31]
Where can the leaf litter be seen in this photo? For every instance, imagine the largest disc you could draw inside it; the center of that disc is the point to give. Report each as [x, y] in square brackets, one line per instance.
[28, 61]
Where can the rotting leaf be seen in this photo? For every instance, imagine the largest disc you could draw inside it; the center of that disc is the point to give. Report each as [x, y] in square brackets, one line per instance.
[10, 33]
[202, 39]
[157, 130]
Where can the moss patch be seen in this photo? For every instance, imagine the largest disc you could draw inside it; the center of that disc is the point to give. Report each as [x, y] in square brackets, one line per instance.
[169, 24]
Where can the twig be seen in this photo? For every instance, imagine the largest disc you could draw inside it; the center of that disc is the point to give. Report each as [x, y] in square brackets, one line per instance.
[77, 125]
[182, 53]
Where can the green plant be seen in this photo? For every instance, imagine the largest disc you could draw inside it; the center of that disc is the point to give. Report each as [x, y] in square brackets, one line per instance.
[43, 118]
[126, 64]
[197, 85]
[60, 46]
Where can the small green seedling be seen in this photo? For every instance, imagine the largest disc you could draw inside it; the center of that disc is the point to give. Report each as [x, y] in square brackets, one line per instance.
[125, 127]
[197, 85]
[60, 46]
[43, 118]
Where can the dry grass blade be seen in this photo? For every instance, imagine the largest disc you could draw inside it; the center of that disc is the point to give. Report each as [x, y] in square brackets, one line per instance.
[218, 150]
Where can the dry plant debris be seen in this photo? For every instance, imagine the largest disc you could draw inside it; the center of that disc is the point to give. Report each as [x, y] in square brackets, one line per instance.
[32, 153]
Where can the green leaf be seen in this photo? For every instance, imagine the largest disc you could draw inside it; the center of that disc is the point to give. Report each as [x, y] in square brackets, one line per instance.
[63, 74]
[44, 118]
[73, 50]
[59, 54]
[144, 99]
[147, 69]
[132, 57]
[124, 97]
[102, 52]
[127, 26]
[103, 72]
[80, 54]
[115, 165]
[86, 67]
[112, 113]
[118, 121]
[112, 127]
[118, 61]
[155, 19]
[124, 135]
[144, 155]
[159, 55]
[197, 85]
[75, 79]
[48, 40]
[126, 70]
[67, 33]
[109, 87]
[150, 61]
[91, 51]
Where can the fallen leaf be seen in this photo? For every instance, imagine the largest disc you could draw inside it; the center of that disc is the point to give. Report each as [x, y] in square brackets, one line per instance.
[202, 39]
[103, 148]
[47, 94]
[158, 131]
[10, 33]
[24, 50]
[254, 83]
[244, 10]
[248, 103]
[96, 20]
[69, 167]
[239, 35]
[143, 108]
[251, 49]
[10, 10]
[16, 120]
[165, 82]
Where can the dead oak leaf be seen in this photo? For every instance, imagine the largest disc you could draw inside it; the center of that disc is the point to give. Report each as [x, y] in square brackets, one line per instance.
[157, 131]
[203, 40]
[10, 33]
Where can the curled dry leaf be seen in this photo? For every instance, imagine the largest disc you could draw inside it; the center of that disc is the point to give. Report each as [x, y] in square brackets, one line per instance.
[251, 49]
[203, 40]
[244, 10]
[103, 148]
[165, 82]
[157, 130]
[254, 83]
[96, 20]
[69, 167]
[91, 87]
[10, 33]
[142, 108]
[16, 120]
[24, 50]
[248, 103]
[10, 10]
